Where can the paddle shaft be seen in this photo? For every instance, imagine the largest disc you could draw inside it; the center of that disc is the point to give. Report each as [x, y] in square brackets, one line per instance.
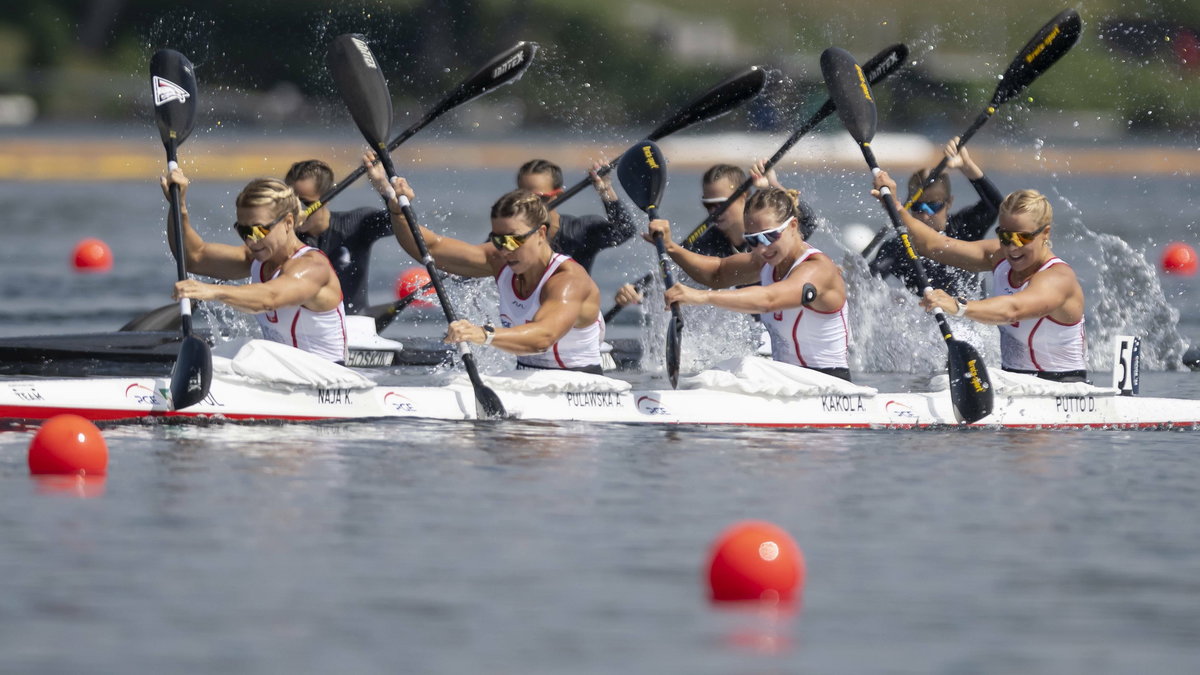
[933, 176]
[889, 204]
[436, 279]
[185, 305]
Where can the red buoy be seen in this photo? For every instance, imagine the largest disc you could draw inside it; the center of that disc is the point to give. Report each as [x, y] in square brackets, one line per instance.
[68, 444]
[411, 281]
[93, 255]
[755, 560]
[1179, 258]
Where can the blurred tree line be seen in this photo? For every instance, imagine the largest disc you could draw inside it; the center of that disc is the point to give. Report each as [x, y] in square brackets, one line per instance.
[622, 62]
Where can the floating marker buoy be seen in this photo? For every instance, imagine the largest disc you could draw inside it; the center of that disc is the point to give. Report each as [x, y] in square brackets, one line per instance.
[758, 561]
[410, 281]
[1179, 258]
[68, 444]
[93, 255]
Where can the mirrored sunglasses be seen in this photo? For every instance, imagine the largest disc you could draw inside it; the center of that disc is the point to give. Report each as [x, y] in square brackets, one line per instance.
[256, 232]
[927, 208]
[1018, 238]
[510, 242]
[767, 237]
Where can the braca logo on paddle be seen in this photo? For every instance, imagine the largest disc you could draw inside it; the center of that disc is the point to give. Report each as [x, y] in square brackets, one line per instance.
[166, 91]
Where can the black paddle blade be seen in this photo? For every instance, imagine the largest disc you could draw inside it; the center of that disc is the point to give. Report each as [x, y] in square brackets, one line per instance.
[362, 86]
[715, 102]
[886, 62]
[850, 93]
[173, 85]
[643, 173]
[192, 374]
[507, 67]
[970, 388]
[1045, 49]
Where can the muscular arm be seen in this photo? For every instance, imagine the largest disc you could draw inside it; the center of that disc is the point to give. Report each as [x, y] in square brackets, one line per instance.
[1049, 293]
[304, 281]
[973, 256]
[785, 294]
[222, 261]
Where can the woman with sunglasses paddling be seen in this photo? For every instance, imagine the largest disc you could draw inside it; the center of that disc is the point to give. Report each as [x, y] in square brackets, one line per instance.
[806, 330]
[293, 292]
[549, 306]
[1037, 302]
[933, 209]
[580, 237]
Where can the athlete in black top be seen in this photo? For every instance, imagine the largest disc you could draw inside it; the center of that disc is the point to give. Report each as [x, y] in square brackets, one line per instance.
[969, 224]
[581, 237]
[345, 237]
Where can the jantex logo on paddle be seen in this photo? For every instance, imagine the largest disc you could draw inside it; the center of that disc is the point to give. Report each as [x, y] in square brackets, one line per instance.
[166, 91]
[368, 57]
[512, 62]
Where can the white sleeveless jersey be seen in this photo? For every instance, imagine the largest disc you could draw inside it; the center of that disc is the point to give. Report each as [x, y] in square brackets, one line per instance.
[1040, 344]
[802, 336]
[320, 333]
[580, 347]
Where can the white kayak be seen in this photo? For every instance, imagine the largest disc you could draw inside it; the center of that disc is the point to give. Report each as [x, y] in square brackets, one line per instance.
[270, 382]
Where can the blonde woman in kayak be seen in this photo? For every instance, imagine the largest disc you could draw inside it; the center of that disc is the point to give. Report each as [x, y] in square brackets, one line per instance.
[293, 292]
[1037, 302]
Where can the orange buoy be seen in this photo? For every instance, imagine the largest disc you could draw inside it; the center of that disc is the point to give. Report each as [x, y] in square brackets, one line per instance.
[411, 281]
[93, 255]
[1179, 258]
[755, 560]
[68, 444]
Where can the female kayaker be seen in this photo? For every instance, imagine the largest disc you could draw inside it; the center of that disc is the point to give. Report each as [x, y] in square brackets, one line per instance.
[1036, 302]
[293, 292]
[549, 306]
[809, 332]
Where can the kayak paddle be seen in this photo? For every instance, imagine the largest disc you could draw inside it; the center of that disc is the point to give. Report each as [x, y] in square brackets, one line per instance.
[365, 92]
[713, 103]
[878, 68]
[506, 68]
[970, 389]
[173, 83]
[643, 173]
[1042, 51]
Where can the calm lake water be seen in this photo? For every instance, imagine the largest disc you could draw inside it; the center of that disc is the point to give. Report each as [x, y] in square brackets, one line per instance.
[431, 547]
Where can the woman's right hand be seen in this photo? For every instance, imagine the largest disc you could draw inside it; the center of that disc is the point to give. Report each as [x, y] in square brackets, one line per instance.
[882, 180]
[378, 177]
[174, 177]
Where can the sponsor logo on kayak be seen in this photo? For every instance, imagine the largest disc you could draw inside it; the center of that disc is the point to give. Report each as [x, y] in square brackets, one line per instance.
[845, 403]
[166, 91]
[512, 62]
[333, 396]
[143, 395]
[368, 358]
[26, 393]
[399, 402]
[594, 399]
[1069, 404]
[208, 399]
[648, 405]
[898, 409]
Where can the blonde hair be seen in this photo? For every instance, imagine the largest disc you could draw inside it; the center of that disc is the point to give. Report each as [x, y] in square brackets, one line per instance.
[524, 204]
[270, 192]
[783, 204]
[1029, 202]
